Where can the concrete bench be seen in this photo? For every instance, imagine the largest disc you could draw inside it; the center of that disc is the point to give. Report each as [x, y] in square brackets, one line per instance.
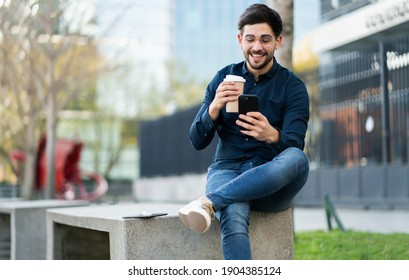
[100, 232]
[23, 227]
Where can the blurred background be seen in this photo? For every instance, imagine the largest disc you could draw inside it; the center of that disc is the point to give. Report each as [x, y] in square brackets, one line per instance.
[120, 82]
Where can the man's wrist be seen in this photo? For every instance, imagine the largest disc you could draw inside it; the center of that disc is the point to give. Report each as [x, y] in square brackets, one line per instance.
[213, 112]
[273, 138]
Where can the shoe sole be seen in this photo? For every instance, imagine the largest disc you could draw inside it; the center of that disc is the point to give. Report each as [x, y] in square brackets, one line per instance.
[195, 221]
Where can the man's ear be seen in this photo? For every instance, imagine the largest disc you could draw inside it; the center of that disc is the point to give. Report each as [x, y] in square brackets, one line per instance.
[239, 38]
[279, 40]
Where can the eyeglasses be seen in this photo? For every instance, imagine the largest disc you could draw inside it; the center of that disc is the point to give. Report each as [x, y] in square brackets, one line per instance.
[264, 39]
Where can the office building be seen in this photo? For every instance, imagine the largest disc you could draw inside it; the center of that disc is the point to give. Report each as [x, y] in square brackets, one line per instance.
[358, 143]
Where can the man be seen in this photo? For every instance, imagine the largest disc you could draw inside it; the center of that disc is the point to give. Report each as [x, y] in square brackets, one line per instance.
[259, 162]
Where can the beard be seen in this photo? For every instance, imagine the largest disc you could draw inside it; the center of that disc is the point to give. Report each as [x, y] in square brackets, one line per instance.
[258, 65]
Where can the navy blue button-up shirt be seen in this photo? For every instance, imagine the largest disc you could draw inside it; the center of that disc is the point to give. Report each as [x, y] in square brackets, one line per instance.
[283, 100]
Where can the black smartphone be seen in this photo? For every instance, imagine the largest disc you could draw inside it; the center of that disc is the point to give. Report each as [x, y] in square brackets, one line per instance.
[145, 215]
[248, 103]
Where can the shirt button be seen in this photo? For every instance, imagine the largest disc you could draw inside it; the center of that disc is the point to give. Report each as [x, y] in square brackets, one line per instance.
[246, 139]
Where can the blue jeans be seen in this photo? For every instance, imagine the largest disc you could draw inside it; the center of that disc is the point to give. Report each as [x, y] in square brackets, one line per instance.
[236, 187]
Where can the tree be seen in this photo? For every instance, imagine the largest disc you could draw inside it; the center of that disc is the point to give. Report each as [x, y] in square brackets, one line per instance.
[19, 107]
[46, 61]
[286, 10]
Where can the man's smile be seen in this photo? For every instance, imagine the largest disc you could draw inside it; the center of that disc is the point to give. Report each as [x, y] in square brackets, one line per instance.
[257, 57]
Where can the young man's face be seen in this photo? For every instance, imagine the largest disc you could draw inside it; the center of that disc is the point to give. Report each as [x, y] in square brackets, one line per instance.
[258, 43]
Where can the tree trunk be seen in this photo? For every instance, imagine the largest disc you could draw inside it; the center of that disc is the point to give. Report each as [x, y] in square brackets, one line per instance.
[30, 166]
[51, 135]
[285, 8]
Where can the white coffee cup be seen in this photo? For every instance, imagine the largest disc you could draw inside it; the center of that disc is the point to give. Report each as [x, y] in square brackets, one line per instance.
[233, 106]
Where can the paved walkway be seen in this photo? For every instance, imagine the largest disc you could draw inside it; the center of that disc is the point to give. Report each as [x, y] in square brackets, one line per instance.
[382, 221]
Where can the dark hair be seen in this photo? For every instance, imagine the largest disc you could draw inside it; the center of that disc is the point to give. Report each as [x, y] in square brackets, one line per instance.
[260, 13]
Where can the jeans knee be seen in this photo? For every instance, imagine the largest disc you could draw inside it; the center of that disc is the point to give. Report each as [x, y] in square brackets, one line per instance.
[299, 160]
[297, 154]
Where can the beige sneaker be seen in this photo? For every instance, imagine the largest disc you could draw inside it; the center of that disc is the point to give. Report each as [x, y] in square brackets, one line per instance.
[197, 215]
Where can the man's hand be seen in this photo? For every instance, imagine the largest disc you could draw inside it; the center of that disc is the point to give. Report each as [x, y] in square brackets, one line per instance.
[225, 92]
[257, 126]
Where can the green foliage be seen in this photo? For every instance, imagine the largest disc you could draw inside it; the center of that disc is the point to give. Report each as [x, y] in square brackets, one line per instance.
[351, 245]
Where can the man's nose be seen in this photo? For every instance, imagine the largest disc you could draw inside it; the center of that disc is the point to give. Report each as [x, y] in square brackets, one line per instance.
[257, 45]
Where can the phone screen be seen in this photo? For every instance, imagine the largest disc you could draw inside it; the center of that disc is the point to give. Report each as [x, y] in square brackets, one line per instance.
[248, 103]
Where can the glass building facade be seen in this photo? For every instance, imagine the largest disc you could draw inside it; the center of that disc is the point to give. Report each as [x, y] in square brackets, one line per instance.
[206, 36]
[331, 9]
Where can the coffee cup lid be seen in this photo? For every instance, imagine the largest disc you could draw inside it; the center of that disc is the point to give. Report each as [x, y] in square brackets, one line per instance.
[234, 78]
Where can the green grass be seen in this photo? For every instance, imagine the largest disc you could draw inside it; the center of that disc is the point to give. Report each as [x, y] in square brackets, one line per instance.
[350, 245]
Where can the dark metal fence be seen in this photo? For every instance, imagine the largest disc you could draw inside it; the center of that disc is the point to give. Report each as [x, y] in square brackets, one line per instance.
[165, 147]
[360, 111]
